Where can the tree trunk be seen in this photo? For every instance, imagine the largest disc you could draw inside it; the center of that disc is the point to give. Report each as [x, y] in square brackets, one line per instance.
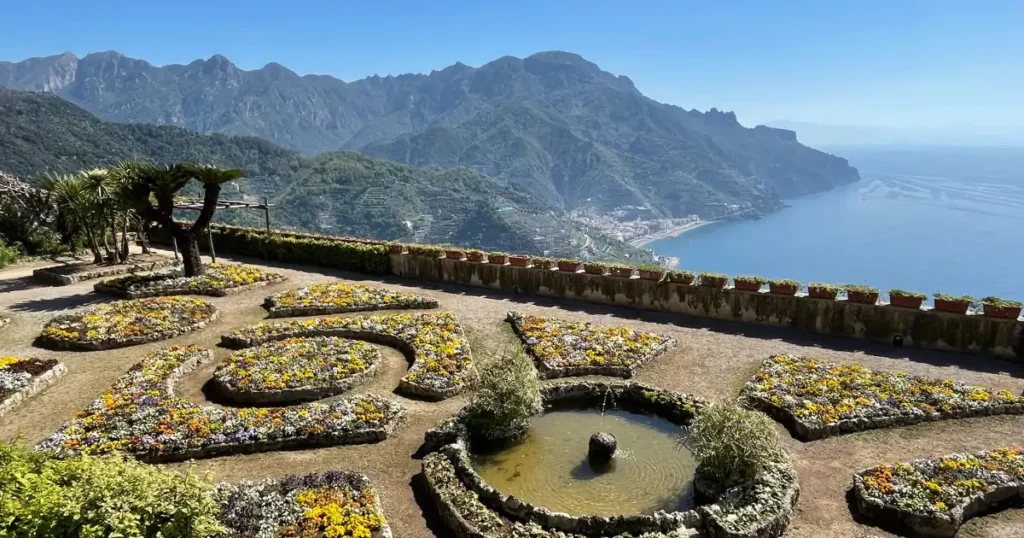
[94, 247]
[144, 236]
[189, 245]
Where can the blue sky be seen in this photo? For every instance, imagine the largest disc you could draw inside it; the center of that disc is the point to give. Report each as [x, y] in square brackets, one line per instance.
[897, 63]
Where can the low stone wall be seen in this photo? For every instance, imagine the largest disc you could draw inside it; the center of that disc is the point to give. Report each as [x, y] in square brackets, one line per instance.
[114, 343]
[101, 287]
[924, 328]
[66, 275]
[37, 385]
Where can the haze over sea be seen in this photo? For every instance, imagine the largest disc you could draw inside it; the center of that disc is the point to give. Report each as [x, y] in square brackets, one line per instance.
[945, 220]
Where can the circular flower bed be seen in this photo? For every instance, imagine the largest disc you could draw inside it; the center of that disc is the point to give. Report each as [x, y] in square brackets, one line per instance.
[329, 505]
[442, 365]
[220, 279]
[140, 415]
[20, 378]
[128, 323]
[339, 297]
[818, 399]
[295, 369]
[570, 348]
[934, 496]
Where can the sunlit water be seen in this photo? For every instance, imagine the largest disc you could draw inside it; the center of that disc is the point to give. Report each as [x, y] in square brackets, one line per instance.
[651, 470]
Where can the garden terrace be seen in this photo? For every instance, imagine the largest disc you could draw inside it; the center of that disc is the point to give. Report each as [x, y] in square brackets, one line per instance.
[73, 273]
[295, 370]
[566, 348]
[339, 297]
[220, 279]
[21, 378]
[818, 399]
[141, 415]
[127, 323]
[442, 364]
[933, 497]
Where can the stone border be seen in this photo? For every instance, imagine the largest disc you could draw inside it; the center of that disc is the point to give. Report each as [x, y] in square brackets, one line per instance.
[38, 384]
[102, 287]
[933, 525]
[301, 311]
[48, 276]
[114, 343]
[551, 372]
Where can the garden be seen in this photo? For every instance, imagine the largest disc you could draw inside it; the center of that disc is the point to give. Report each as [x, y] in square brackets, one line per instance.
[339, 297]
[127, 323]
[569, 348]
[817, 399]
[218, 280]
[21, 377]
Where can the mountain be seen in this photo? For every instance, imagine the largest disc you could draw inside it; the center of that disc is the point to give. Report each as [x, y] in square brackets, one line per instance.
[553, 124]
[343, 193]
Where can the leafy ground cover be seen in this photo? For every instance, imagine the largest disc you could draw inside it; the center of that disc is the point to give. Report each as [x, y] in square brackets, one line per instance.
[338, 297]
[566, 348]
[128, 323]
[141, 415]
[824, 398]
[220, 279]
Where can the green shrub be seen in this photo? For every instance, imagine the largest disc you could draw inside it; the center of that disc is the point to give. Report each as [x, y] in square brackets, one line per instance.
[711, 279]
[732, 444]
[904, 293]
[323, 251]
[1000, 303]
[541, 262]
[508, 396]
[784, 282]
[946, 297]
[100, 497]
[825, 287]
[430, 251]
[857, 288]
[8, 254]
[650, 267]
[748, 278]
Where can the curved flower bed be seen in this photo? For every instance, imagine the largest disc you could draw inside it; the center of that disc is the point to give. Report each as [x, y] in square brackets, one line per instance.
[295, 369]
[128, 323]
[339, 297]
[219, 280]
[141, 415]
[442, 364]
[932, 497]
[818, 399]
[329, 505]
[21, 378]
[570, 348]
[473, 508]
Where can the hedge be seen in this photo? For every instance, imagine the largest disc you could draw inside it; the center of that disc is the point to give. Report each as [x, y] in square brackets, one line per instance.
[324, 251]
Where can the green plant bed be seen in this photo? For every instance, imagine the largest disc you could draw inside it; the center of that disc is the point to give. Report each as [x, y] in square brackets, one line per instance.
[783, 286]
[127, 323]
[338, 297]
[994, 307]
[347, 254]
[220, 279]
[906, 299]
[21, 378]
[817, 399]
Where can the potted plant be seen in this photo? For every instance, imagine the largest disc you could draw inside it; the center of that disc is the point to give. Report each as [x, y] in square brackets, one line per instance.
[497, 258]
[651, 272]
[519, 260]
[748, 283]
[783, 286]
[682, 277]
[994, 307]
[906, 299]
[454, 254]
[396, 248]
[476, 255]
[818, 290]
[544, 263]
[569, 266]
[430, 251]
[620, 270]
[957, 304]
[713, 280]
[855, 293]
[595, 268]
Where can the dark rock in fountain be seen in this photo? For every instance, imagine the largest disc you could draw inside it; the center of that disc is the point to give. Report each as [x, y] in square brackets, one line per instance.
[602, 447]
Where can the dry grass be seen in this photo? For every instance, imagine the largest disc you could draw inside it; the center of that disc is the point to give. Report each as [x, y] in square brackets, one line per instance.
[712, 360]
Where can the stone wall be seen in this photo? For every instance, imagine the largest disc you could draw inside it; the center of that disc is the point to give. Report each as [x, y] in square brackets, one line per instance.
[924, 328]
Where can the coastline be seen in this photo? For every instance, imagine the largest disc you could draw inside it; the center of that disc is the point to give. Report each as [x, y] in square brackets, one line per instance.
[671, 232]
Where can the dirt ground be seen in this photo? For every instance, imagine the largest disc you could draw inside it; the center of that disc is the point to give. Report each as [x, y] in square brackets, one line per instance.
[713, 360]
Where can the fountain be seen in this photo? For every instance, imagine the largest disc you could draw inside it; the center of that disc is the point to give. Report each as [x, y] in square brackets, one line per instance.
[602, 448]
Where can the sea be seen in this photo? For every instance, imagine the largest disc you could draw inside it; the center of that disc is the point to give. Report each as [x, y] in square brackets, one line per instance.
[947, 220]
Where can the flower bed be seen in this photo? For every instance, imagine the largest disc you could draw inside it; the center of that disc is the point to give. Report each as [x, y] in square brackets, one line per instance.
[818, 399]
[569, 348]
[329, 505]
[141, 415]
[295, 369]
[932, 497]
[442, 365]
[22, 378]
[219, 280]
[338, 297]
[128, 323]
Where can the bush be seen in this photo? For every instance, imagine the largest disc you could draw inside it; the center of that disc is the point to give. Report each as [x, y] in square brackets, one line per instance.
[508, 396]
[323, 251]
[99, 497]
[733, 444]
[8, 255]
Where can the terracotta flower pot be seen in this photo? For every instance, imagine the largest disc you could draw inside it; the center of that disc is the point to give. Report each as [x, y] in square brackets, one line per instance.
[455, 255]
[822, 293]
[1002, 312]
[546, 265]
[718, 282]
[682, 279]
[475, 256]
[781, 290]
[648, 274]
[956, 307]
[569, 267]
[519, 261]
[593, 269]
[747, 285]
[902, 301]
[624, 272]
[396, 249]
[861, 297]
[497, 259]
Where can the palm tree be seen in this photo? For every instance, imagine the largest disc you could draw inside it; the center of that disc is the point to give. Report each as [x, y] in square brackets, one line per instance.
[73, 196]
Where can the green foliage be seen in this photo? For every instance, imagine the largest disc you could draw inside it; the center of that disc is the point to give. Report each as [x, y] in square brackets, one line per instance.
[430, 251]
[857, 288]
[508, 396]
[712, 279]
[1000, 303]
[8, 254]
[542, 262]
[955, 298]
[830, 288]
[733, 444]
[650, 267]
[100, 497]
[568, 260]
[904, 293]
[748, 278]
[784, 283]
[323, 251]
[679, 276]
